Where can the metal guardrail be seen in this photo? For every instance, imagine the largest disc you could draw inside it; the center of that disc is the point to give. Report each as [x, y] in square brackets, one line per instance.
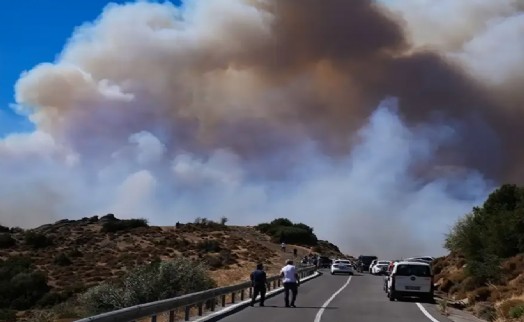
[202, 301]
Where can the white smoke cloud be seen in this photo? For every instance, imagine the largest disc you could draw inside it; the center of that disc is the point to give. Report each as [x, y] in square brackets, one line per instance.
[483, 36]
[126, 121]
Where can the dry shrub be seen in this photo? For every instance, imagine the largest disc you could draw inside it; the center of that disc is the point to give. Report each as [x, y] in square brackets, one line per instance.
[499, 293]
[460, 262]
[445, 285]
[485, 311]
[481, 294]
[513, 267]
[504, 308]
[457, 276]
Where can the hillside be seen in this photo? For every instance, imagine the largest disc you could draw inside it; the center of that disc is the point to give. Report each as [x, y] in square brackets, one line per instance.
[495, 300]
[484, 271]
[76, 255]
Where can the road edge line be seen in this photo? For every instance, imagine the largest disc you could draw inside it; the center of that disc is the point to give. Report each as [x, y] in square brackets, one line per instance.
[216, 316]
[426, 313]
[318, 317]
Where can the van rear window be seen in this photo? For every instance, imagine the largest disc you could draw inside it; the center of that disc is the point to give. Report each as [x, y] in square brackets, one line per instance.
[409, 270]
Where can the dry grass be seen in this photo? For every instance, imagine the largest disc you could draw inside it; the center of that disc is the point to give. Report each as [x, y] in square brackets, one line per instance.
[487, 300]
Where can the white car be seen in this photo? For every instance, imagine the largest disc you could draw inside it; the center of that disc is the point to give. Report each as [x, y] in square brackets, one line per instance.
[373, 263]
[380, 267]
[341, 266]
[425, 259]
[410, 279]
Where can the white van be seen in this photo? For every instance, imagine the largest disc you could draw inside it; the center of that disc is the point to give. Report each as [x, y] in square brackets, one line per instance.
[410, 279]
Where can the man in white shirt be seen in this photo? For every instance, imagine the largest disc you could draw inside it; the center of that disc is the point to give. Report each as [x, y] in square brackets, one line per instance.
[291, 281]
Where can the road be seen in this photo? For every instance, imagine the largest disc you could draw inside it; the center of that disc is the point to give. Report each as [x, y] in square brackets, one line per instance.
[338, 298]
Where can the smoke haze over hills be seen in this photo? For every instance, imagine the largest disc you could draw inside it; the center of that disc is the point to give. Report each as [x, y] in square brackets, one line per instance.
[377, 124]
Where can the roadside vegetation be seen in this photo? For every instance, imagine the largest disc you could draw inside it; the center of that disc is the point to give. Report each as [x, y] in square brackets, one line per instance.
[153, 282]
[487, 257]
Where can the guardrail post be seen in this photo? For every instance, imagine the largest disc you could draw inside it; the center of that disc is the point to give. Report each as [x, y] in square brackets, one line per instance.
[233, 297]
[186, 313]
[200, 311]
[250, 292]
[242, 295]
[172, 316]
[223, 300]
[213, 303]
[153, 318]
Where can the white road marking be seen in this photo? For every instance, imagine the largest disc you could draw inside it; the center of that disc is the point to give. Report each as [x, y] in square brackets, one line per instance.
[318, 317]
[426, 313]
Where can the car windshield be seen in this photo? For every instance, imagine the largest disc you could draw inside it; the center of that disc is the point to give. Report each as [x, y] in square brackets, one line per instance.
[342, 262]
[409, 270]
[383, 262]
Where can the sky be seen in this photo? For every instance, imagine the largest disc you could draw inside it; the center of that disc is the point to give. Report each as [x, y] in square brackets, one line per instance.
[33, 32]
[355, 118]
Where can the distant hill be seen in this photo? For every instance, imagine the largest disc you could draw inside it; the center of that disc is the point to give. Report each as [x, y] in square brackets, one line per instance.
[75, 255]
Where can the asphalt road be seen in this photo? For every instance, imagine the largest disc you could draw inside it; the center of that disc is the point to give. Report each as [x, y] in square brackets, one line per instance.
[333, 299]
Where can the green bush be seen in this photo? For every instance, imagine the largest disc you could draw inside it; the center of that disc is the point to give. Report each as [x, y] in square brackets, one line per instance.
[20, 285]
[516, 312]
[4, 229]
[62, 260]
[37, 240]
[126, 224]
[26, 289]
[6, 240]
[490, 233]
[283, 230]
[209, 246]
[51, 299]
[505, 308]
[160, 280]
[75, 253]
[7, 315]
[294, 235]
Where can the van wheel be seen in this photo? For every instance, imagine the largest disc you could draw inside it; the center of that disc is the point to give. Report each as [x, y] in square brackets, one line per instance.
[391, 295]
[429, 298]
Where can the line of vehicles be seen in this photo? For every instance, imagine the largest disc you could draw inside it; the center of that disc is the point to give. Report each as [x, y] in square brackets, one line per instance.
[409, 277]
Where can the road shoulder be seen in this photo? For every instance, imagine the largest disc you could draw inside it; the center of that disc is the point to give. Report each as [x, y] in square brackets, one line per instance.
[454, 315]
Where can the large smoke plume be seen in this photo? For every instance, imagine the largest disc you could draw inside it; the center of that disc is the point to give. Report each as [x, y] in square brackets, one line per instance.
[378, 124]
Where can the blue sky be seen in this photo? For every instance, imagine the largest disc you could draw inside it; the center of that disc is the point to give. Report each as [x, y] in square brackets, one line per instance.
[32, 32]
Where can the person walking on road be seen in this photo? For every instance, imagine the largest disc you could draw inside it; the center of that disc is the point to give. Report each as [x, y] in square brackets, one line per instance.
[291, 281]
[259, 283]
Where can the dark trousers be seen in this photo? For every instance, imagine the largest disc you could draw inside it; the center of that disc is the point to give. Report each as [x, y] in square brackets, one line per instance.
[259, 289]
[294, 290]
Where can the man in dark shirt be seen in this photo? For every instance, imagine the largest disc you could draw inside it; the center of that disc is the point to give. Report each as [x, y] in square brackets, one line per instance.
[259, 283]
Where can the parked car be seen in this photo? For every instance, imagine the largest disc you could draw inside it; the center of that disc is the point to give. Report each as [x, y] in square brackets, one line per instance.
[388, 273]
[410, 279]
[370, 267]
[364, 262]
[324, 262]
[341, 266]
[380, 268]
[425, 259]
